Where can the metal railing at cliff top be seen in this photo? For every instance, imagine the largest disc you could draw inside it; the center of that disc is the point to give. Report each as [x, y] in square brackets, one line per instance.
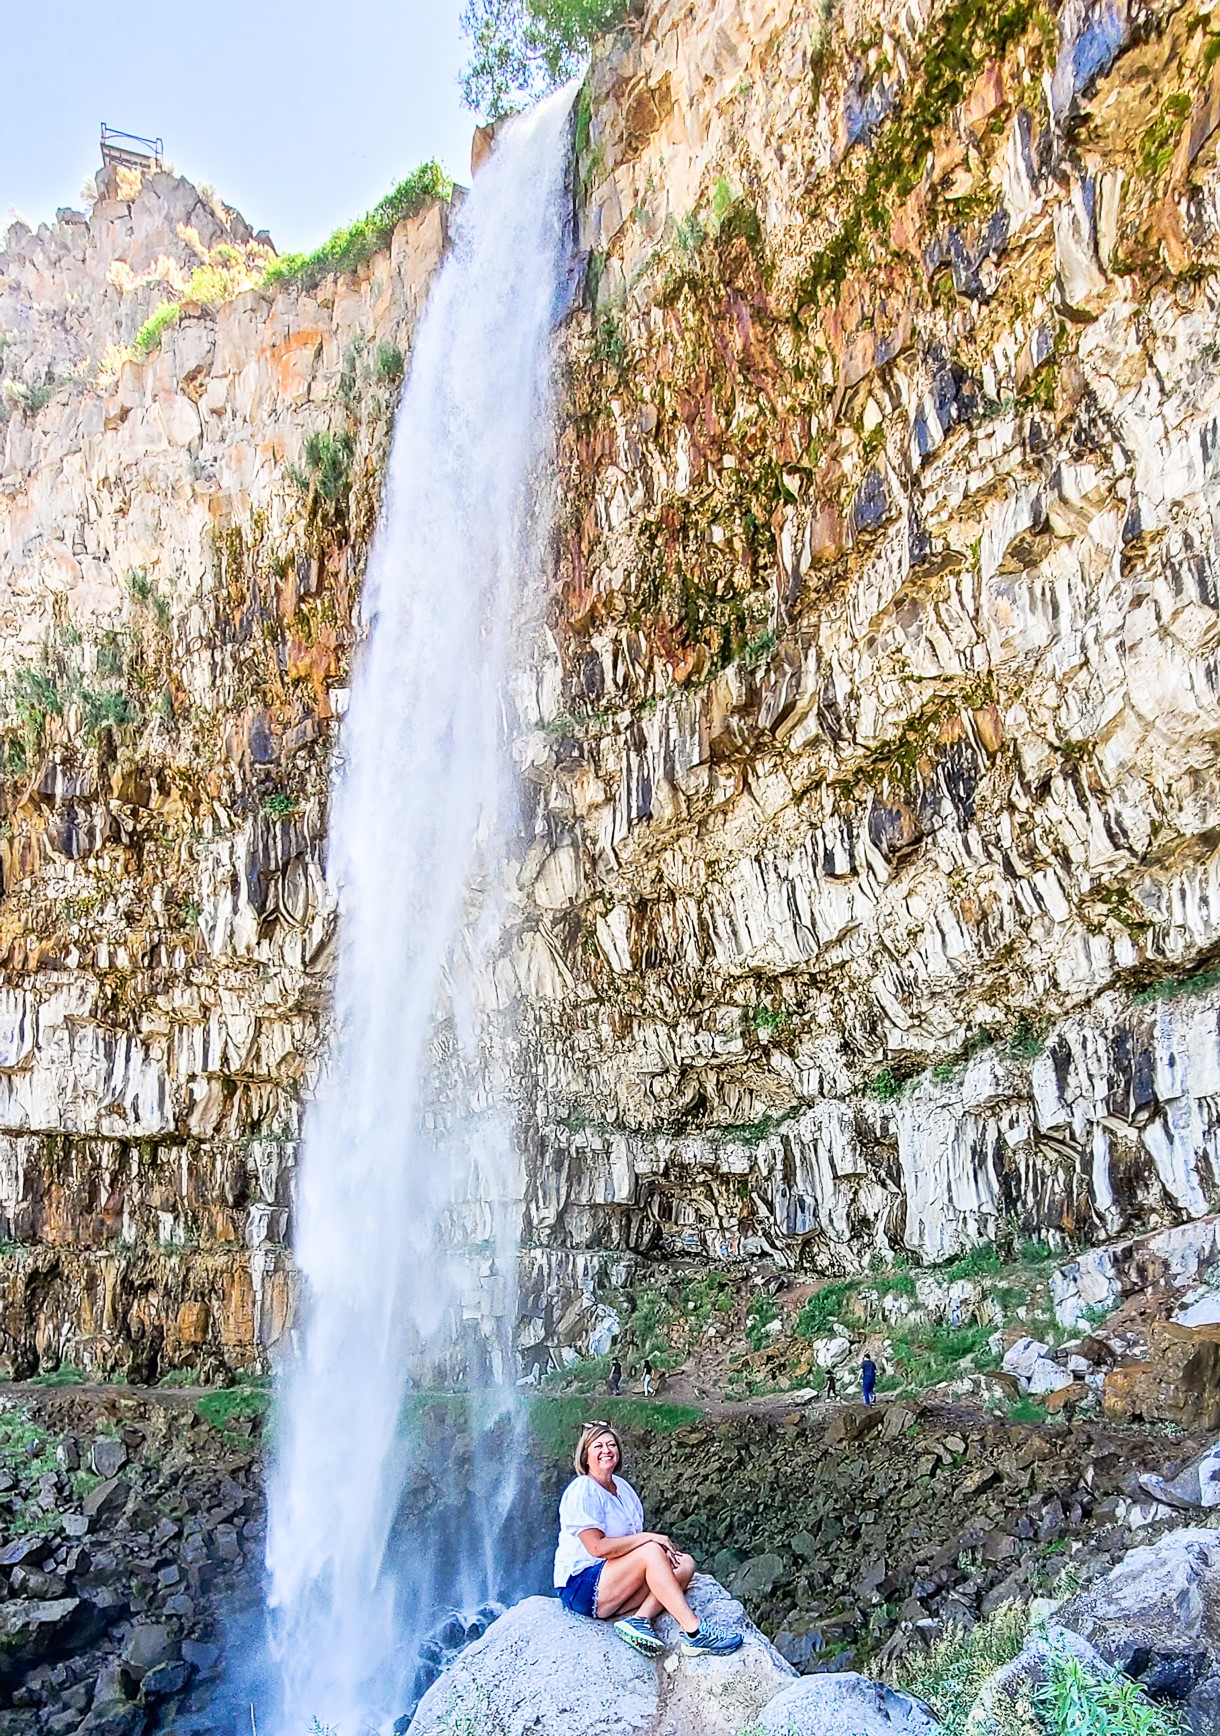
[149, 157]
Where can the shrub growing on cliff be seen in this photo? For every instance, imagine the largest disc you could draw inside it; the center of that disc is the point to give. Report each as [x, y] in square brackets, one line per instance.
[155, 326]
[350, 248]
[1074, 1702]
[520, 49]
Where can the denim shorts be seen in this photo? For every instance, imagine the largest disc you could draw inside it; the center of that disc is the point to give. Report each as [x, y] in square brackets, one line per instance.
[580, 1593]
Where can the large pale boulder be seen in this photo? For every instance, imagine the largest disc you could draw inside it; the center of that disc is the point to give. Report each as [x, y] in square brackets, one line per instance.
[1157, 1614]
[835, 1705]
[1019, 1680]
[718, 1696]
[540, 1671]
[1196, 1486]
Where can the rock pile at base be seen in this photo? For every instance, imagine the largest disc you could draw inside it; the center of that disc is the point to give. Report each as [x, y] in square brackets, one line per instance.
[125, 1527]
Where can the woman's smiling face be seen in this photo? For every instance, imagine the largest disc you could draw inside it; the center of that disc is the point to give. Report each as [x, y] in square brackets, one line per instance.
[602, 1455]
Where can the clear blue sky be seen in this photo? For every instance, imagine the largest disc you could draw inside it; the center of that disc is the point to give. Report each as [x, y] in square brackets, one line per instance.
[302, 114]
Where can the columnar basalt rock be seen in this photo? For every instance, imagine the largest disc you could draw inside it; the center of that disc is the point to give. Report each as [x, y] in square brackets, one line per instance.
[868, 881]
[182, 534]
[875, 745]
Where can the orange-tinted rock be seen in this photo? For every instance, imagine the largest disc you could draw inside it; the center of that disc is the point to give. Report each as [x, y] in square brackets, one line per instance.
[194, 1319]
[1180, 1382]
[1066, 1398]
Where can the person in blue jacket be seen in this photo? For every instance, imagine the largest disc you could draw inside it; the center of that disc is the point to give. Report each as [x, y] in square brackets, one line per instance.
[868, 1378]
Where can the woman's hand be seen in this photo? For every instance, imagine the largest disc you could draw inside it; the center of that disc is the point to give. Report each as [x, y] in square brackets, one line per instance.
[667, 1544]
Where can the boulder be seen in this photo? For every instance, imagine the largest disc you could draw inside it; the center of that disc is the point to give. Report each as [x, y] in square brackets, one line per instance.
[834, 1705]
[1156, 1616]
[107, 1457]
[113, 1718]
[758, 1576]
[32, 1630]
[147, 1645]
[1047, 1377]
[1021, 1358]
[1025, 1674]
[718, 1696]
[107, 1497]
[852, 1423]
[1200, 1308]
[540, 1671]
[1196, 1486]
[1179, 1383]
[164, 1679]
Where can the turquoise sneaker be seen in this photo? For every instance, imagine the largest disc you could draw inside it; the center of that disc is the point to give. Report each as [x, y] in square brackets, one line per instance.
[639, 1633]
[708, 1641]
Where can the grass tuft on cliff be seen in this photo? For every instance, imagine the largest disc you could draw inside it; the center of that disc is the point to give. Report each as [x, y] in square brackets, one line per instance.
[219, 1409]
[1071, 1701]
[348, 249]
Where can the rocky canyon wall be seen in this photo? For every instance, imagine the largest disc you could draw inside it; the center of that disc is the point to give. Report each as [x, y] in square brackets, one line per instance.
[867, 901]
[876, 769]
[181, 542]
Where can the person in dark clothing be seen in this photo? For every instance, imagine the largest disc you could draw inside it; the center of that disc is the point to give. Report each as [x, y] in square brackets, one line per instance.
[832, 1385]
[868, 1374]
[616, 1377]
[648, 1380]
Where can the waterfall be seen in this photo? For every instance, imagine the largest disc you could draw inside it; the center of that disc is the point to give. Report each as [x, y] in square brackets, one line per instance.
[404, 1154]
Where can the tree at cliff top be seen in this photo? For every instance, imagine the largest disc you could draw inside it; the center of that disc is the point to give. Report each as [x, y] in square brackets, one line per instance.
[520, 49]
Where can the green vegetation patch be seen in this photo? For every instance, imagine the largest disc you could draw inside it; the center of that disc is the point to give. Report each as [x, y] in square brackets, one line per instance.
[1160, 138]
[955, 52]
[220, 1409]
[65, 1375]
[34, 693]
[149, 336]
[1177, 988]
[1071, 1701]
[520, 49]
[556, 1422]
[348, 249]
[950, 1676]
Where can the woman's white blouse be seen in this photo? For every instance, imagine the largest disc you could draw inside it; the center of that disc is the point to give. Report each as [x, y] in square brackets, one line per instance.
[586, 1505]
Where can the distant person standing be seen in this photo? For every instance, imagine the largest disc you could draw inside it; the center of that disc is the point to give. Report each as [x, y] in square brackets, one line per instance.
[832, 1385]
[648, 1380]
[868, 1378]
[614, 1384]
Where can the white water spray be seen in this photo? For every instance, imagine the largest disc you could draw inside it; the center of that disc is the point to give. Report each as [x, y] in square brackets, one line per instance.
[419, 825]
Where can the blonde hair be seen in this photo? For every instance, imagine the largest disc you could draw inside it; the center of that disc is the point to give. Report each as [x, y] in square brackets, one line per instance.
[590, 1433]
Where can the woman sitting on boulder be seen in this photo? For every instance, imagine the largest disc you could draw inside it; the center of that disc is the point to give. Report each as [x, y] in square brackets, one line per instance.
[608, 1567]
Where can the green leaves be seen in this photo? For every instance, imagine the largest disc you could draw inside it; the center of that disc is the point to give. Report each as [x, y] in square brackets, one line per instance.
[521, 49]
[350, 248]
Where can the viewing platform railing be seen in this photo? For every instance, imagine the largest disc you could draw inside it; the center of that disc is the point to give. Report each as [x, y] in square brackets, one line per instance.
[149, 157]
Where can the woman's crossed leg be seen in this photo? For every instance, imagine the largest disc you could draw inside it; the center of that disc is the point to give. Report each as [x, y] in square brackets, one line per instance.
[646, 1582]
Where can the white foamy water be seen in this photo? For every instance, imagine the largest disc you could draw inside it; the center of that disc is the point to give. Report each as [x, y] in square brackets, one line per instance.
[418, 830]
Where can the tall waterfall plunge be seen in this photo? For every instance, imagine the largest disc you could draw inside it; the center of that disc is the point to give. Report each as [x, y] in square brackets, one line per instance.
[419, 831]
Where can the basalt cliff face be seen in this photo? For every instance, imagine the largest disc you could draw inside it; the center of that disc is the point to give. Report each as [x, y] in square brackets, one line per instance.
[879, 786]
[867, 891]
[179, 575]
